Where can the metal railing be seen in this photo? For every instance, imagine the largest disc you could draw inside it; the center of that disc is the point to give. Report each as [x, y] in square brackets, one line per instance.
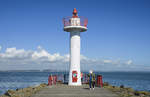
[83, 21]
[63, 79]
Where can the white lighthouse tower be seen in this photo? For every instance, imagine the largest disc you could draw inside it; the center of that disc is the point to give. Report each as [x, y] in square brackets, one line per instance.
[75, 25]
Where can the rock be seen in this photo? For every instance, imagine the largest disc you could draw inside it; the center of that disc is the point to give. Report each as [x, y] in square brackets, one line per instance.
[126, 91]
[25, 92]
[105, 84]
[136, 93]
[9, 92]
[43, 85]
[144, 92]
[117, 89]
[129, 89]
[4, 96]
[121, 86]
[113, 86]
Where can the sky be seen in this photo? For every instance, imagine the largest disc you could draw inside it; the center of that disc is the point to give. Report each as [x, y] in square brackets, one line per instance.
[117, 39]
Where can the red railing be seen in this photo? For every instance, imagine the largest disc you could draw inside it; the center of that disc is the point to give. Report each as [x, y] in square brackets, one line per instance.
[63, 78]
[83, 21]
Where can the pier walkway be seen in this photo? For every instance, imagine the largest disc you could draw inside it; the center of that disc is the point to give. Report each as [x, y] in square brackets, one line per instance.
[73, 91]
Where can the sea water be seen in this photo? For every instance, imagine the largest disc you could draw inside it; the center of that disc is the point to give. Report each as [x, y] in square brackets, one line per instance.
[17, 80]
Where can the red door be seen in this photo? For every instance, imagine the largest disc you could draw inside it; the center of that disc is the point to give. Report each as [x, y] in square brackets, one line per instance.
[74, 76]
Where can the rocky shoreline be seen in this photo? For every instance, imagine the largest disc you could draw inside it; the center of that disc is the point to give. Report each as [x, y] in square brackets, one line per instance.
[25, 92]
[126, 91]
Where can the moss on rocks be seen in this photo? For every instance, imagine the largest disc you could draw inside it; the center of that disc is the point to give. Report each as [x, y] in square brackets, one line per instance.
[25, 92]
[10, 92]
[105, 84]
[126, 91]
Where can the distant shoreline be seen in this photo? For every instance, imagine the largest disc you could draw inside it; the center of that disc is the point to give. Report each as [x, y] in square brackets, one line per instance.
[68, 71]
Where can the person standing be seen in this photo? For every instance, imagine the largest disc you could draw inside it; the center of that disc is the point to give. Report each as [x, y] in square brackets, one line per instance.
[91, 77]
[81, 77]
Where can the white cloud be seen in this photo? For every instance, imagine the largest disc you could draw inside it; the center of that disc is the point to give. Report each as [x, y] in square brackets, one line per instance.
[129, 62]
[14, 53]
[107, 61]
[14, 58]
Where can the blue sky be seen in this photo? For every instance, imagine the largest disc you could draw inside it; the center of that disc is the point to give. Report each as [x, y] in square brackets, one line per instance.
[117, 29]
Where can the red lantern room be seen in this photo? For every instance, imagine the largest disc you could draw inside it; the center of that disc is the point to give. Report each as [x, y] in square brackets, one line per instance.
[75, 22]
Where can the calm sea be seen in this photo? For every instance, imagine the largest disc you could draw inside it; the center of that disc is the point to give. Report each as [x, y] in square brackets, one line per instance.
[14, 80]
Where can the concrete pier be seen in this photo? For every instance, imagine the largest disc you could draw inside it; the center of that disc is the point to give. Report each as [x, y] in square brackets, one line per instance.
[73, 91]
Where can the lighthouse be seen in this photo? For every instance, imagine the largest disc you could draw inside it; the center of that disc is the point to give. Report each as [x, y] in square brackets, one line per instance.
[75, 25]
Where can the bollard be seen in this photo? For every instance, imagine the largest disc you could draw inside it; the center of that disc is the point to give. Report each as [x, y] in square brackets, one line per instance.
[99, 81]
